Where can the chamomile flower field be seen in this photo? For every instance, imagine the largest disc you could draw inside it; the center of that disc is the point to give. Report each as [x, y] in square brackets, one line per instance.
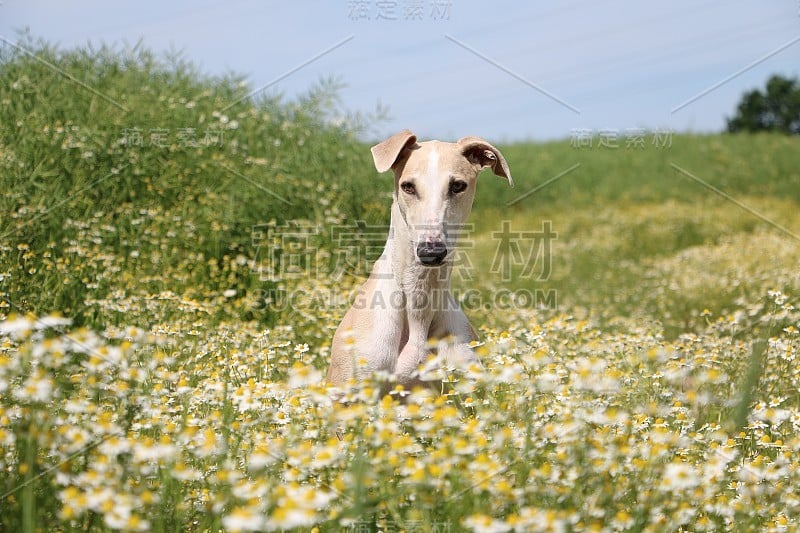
[174, 259]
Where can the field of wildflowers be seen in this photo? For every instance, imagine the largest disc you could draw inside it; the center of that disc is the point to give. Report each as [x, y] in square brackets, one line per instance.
[163, 340]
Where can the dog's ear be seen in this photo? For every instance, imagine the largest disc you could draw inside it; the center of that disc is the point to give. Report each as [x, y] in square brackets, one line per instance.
[483, 154]
[387, 153]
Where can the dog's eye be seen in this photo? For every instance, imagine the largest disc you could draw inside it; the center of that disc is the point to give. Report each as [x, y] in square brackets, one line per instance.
[408, 187]
[458, 186]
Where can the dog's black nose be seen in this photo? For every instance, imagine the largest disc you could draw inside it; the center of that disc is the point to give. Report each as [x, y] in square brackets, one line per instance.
[431, 253]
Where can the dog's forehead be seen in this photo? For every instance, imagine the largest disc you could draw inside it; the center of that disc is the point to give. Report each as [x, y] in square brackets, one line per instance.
[437, 157]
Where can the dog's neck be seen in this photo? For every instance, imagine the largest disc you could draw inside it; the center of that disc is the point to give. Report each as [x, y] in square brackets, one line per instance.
[410, 275]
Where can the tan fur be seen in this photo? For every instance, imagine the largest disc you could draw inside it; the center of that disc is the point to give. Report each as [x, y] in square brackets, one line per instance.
[406, 302]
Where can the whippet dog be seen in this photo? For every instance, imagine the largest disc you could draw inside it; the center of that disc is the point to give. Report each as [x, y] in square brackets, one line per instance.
[404, 312]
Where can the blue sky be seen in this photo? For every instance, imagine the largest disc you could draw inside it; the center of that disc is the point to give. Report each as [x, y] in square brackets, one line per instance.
[503, 70]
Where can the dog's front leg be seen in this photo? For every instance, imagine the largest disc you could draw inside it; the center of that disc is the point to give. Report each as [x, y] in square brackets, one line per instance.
[413, 353]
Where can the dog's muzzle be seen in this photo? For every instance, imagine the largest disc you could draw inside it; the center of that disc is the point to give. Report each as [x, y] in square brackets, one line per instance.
[431, 253]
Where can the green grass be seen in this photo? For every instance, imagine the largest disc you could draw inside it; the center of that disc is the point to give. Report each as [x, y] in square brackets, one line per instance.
[69, 157]
[657, 391]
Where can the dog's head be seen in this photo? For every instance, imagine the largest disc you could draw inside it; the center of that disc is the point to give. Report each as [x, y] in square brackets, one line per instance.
[434, 187]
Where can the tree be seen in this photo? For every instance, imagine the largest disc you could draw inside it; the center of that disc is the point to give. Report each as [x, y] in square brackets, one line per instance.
[776, 109]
